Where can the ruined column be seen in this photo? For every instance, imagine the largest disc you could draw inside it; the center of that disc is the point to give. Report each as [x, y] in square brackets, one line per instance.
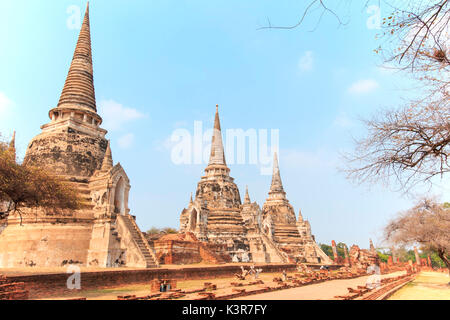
[417, 256]
[390, 261]
[394, 256]
[335, 255]
[347, 259]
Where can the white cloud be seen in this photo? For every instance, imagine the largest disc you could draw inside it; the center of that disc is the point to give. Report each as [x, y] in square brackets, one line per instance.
[306, 61]
[363, 86]
[5, 103]
[126, 141]
[115, 115]
[343, 121]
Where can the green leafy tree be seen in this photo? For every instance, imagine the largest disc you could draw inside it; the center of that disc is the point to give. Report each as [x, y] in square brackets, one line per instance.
[383, 256]
[340, 249]
[328, 250]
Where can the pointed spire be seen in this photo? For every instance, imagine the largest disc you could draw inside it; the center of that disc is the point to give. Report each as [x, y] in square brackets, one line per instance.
[372, 247]
[217, 152]
[190, 200]
[107, 160]
[78, 91]
[12, 145]
[276, 186]
[300, 217]
[247, 197]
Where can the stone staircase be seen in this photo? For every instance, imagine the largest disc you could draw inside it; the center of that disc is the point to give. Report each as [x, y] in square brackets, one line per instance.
[272, 250]
[84, 193]
[258, 250]
[141, 242]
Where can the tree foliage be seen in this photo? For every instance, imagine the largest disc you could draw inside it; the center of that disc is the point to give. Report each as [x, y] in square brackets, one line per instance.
[426, 224]
[383, 256]
[23, 186]
[328, 250]
[159, 231]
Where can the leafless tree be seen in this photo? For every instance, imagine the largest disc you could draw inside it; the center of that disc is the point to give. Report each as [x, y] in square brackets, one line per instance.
[411, 145]
[411, 142]
[426, 224]
[419, 33]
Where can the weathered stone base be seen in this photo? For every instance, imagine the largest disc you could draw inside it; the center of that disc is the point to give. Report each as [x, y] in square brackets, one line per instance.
[44, 244]
[57, 242]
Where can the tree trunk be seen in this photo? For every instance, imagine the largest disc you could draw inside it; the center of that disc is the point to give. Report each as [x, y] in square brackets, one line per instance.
[442, 254]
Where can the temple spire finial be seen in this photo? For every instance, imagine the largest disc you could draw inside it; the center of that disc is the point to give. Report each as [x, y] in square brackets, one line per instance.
[78, 91]
[247, 197]
[277, 185]
[300, 216]
[372, 247]
[107, 160]
[190, 200]
[217, 156]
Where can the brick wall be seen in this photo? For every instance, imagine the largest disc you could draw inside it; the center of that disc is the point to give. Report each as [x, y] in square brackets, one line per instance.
[47, 285]
[10, 290]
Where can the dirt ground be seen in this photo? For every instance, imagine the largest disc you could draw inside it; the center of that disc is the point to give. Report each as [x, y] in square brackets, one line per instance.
[321, 291]
[426, 286]
[144, 289]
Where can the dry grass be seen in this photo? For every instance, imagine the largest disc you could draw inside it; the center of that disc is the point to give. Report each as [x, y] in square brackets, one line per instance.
[426, 286]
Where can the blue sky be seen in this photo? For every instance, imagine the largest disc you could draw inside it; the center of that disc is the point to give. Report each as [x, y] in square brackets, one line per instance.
[161, 65]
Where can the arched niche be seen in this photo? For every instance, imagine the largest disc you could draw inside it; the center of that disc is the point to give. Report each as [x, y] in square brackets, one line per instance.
[193, 220]
[119, 197]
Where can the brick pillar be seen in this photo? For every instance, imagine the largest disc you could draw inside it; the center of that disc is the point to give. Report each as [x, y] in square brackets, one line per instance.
[390, 261]
[417, 256]
[347, 258]
[394, 256]
[335, 255]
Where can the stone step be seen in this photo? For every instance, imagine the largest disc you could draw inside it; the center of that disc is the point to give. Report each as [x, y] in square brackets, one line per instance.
[137, 237]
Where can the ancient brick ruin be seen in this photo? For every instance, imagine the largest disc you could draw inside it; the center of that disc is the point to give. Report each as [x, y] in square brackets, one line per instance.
[73, 146]
[10, 290]
[362, 258]
[185, 248]
[249, 233]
